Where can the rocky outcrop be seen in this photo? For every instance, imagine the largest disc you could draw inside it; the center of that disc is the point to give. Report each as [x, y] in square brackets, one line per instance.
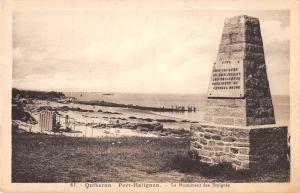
[63, 108]
[18, 113]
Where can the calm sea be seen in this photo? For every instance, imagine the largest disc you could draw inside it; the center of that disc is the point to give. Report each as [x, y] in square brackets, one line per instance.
[281, 102]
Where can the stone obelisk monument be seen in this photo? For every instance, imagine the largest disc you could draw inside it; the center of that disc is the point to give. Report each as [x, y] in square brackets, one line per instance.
[239, 123]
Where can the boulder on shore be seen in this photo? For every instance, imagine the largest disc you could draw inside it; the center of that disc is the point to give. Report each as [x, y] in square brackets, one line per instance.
[18, 113]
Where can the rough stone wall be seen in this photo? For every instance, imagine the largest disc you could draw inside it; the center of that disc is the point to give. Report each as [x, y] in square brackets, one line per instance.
[268, 146]
[259, 111]
[241, 41]
[259, 107]
[244, 148]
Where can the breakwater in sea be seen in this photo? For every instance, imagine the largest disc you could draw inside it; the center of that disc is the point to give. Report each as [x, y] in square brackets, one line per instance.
[173, 108]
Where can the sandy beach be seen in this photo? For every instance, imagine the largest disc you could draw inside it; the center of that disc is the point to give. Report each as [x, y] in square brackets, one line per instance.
[99, 121]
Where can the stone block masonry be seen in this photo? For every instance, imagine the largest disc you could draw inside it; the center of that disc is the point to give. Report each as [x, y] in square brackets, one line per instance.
[243, 147]
[239, 77]
[239, 112]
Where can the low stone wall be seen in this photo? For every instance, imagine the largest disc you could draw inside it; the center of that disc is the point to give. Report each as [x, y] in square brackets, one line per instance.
[243, 147]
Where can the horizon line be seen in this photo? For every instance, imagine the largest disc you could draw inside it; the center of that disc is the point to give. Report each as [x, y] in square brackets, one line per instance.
[120, 92]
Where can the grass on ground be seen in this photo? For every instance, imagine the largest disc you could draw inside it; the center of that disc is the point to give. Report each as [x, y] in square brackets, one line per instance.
[49, 158]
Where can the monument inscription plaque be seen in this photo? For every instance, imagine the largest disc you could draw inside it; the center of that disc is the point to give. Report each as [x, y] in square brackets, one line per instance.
[227, 80]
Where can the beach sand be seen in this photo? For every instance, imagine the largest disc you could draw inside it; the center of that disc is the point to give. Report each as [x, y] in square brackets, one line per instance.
[87, 118]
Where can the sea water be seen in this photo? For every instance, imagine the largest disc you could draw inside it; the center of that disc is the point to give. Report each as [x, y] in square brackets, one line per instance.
[281, 103]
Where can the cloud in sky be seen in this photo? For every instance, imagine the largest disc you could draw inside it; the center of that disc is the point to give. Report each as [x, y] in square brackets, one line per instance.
[134, 51]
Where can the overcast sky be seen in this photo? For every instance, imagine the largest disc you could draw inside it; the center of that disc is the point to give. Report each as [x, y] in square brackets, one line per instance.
[142, 51]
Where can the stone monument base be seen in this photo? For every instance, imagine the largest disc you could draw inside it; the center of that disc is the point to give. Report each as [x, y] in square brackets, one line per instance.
[244, 147]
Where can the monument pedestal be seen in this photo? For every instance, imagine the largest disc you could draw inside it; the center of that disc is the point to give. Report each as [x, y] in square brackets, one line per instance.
[244, 147]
